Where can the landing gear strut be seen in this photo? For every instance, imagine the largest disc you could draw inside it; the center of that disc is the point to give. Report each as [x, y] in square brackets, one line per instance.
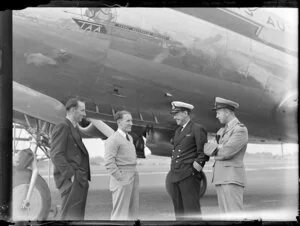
[31, 198]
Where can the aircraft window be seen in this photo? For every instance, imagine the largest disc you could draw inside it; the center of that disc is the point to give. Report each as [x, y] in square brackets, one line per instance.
[148, 116]
[104, 109]
[90, 106]
[117, 108]
[135, 114]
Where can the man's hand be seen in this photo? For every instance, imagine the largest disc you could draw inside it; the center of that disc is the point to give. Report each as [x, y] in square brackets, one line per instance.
[197, 166]
[72, 178]
[213, 141]
[210, 149]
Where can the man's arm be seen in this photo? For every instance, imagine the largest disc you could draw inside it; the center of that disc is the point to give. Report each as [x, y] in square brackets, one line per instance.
[110, 154]
[235, 143]
[200, 138]
[58, 150]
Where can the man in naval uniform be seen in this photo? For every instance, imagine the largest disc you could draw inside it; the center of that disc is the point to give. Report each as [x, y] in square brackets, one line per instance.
[229, 148]
[188, 159]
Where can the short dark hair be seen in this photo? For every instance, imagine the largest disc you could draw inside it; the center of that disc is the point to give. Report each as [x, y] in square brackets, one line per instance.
[231, 110]
[120, 114]
[72, 103]
[188, 111]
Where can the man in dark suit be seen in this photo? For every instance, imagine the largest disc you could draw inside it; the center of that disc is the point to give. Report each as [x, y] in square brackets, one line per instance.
[71, 162]
[188, 159]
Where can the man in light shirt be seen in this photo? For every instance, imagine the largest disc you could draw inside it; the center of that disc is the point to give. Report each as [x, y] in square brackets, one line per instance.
[229, 149]
[120, 161]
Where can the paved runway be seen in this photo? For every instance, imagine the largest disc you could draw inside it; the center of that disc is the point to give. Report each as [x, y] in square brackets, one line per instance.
[271, 192]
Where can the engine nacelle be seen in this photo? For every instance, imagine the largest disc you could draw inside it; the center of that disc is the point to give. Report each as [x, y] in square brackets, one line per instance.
[95, 128]
[159, 141]
[160, 148]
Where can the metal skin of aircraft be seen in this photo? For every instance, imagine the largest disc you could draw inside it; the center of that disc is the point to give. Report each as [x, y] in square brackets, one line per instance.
[143, 59]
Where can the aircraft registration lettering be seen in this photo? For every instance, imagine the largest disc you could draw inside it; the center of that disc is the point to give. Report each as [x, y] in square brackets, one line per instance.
[89, 26]
[276, 24]
[101, 28]
[255, 15]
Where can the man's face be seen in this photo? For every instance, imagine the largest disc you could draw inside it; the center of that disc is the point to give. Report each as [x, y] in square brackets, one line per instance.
[125, 123]
[79, 112]
[180, 117]
[222, 115]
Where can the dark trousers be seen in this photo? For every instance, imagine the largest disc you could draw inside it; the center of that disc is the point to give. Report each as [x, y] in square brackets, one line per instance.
[185, 195]
[74, 201]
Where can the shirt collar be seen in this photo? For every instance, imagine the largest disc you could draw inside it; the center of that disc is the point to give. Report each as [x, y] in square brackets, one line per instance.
[229, 124]
[74, 124]
[122, 132]
[185, 124]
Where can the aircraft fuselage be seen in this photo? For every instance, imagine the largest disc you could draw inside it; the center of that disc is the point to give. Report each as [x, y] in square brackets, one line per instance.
[142, 60]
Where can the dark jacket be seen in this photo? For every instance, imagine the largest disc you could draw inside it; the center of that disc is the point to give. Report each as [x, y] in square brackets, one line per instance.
[69, 155]
[188, 147]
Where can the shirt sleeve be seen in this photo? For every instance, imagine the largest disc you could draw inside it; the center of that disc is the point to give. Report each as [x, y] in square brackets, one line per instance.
[201, 139]
[235, 143]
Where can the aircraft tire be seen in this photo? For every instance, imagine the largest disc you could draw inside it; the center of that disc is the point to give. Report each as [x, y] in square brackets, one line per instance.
[40, 200]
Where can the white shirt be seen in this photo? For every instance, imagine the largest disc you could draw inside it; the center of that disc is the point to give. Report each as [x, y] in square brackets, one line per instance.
[123, 134]
[231, 122]
[185, 125]
[73, 123]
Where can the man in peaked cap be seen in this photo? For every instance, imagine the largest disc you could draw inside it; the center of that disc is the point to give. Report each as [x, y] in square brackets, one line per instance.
[188, 159]
[228, 169]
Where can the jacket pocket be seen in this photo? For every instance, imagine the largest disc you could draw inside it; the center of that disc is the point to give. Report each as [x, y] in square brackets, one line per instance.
[66, 187]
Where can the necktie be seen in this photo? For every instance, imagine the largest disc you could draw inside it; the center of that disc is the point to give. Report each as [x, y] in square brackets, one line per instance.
[127, 137]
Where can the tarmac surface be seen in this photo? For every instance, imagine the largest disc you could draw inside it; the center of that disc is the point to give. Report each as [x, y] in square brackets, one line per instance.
[271, 192]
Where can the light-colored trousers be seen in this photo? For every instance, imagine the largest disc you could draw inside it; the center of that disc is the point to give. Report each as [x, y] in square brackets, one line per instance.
[125, 200]
[230, 197]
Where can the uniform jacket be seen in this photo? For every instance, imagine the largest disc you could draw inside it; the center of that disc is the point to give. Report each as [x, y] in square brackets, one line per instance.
[69, 156]
[188, 147]
[229, 168]
[120, 160]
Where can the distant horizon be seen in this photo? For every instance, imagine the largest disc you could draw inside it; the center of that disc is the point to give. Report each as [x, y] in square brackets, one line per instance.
[95, 147]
